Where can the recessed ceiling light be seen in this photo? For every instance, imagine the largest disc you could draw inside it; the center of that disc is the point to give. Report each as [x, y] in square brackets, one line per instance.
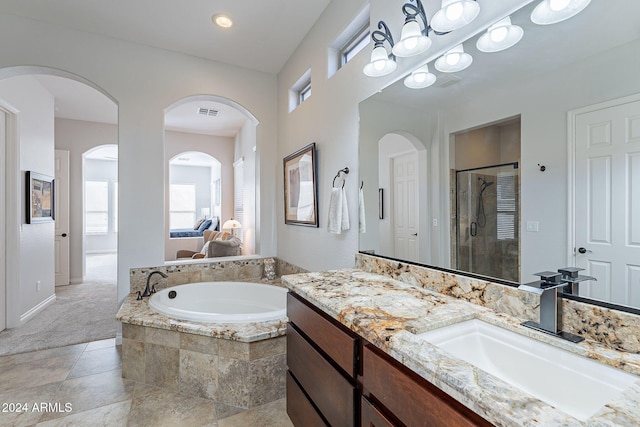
[222, 20]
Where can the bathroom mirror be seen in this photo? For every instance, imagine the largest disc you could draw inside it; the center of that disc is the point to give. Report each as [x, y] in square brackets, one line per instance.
[508, 127]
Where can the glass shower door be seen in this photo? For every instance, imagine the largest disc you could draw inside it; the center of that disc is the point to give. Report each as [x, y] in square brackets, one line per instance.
[488, 221]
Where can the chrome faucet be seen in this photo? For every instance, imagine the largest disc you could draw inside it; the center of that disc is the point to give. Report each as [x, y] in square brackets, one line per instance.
[550, 288]
[150, 290]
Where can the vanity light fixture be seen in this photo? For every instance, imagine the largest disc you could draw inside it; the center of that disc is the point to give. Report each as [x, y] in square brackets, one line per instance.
[413, 39]
[454, 60]
[500, 36]
[382, 62]
[455, 14]
[420, 78]
[552, 11]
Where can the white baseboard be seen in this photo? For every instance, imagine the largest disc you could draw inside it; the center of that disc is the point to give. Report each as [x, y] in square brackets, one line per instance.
[37, 309]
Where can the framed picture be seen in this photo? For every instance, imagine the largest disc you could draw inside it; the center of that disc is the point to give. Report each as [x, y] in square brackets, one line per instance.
[39, 197]
[300, 187]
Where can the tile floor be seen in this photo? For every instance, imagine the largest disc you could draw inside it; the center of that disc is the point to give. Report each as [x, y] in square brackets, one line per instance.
[81, 385]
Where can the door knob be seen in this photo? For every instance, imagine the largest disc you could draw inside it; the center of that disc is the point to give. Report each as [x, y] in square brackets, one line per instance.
[63, 235]
[584, 250]
[415, 234]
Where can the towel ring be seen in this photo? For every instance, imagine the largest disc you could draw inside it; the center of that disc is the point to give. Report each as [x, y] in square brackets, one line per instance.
[344, 171]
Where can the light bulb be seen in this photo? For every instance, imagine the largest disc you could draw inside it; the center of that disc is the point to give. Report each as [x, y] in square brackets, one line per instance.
[498, 34]
[453, 58]
[420, 77]
[454, 11]
[558, 5]
[410, 43]
[379, 65]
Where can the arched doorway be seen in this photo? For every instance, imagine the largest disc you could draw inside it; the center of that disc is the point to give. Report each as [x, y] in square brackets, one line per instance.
[47, 104]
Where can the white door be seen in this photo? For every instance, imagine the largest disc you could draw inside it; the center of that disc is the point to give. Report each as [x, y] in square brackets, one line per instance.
[3, 283]
[61, 209]
[607, 201]
[405, 206]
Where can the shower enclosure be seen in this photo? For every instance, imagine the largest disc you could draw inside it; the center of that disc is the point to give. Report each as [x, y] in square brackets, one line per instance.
[487, 225]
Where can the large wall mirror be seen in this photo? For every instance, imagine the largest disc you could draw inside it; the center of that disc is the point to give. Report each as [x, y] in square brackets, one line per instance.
[528, 160]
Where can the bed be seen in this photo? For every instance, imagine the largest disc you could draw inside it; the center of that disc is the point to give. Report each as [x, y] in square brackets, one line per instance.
[208, 224]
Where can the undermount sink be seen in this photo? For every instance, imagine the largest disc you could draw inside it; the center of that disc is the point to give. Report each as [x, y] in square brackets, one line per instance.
[574, 384]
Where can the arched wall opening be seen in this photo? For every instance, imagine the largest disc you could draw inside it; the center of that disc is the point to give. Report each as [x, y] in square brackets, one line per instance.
[223, 129]
[42, 107]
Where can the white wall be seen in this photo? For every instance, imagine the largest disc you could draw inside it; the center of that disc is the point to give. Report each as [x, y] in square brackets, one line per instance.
[78, 137]
[35, 108]
[118, 68]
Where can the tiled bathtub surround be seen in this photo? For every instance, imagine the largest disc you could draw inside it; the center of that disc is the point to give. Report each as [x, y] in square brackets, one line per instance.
[250, 270]
[236, 375]
[388, 312]
[615, 329]
[238, 366]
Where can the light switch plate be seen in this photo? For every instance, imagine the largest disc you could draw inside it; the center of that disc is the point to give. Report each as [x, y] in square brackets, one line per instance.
[532, 226]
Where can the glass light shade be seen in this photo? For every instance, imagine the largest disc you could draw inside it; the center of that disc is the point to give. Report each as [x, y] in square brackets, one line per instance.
[231, 224]
[412, 41]
[420, 78]
[454, 60]
[500, 36]
[380, 64]
[454, 14]
[552, 11]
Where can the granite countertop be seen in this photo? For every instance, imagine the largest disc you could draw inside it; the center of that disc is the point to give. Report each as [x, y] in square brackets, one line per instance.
[388, 313]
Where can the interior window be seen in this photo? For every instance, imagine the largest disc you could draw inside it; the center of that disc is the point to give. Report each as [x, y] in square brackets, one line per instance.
[182, 202]
[96, 215]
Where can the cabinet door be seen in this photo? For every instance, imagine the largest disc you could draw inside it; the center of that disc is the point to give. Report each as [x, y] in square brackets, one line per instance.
[332, 393]
[371, 417]
[337, 343]
[299, 409]
[411, 398]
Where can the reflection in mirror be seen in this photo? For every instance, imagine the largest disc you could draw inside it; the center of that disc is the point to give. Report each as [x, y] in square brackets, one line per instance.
[569, 97]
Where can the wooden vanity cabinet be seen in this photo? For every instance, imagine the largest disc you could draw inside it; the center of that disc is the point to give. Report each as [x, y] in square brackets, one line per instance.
[403, 395]
[322, 360]
[337, 379]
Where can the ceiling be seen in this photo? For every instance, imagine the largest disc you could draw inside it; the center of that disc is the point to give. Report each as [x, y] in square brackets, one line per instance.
[264, 35]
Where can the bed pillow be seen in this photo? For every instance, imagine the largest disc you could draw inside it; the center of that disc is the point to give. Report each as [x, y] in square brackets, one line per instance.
[198, 224]
[204, 225]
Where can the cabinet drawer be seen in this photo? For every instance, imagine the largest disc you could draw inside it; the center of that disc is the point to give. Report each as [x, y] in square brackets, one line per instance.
[332, 393]
[371, 417]
[339, 344]
[299, 409]
[411, 398]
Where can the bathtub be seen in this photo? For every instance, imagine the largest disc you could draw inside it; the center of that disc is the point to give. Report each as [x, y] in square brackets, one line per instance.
[221, 302]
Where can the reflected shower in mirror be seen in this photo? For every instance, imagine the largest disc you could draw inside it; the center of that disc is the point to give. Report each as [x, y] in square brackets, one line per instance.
[569, 99]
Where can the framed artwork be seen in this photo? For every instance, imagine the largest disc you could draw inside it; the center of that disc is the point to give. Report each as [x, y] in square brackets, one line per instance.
[300, 187]
[39, 197]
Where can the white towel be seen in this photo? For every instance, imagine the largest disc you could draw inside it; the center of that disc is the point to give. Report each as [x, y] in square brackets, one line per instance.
[334, 224]
[338, 211]
[345, 224]
[361, 213]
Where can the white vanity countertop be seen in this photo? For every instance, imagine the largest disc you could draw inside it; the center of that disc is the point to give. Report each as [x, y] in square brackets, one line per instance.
[387, 313]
